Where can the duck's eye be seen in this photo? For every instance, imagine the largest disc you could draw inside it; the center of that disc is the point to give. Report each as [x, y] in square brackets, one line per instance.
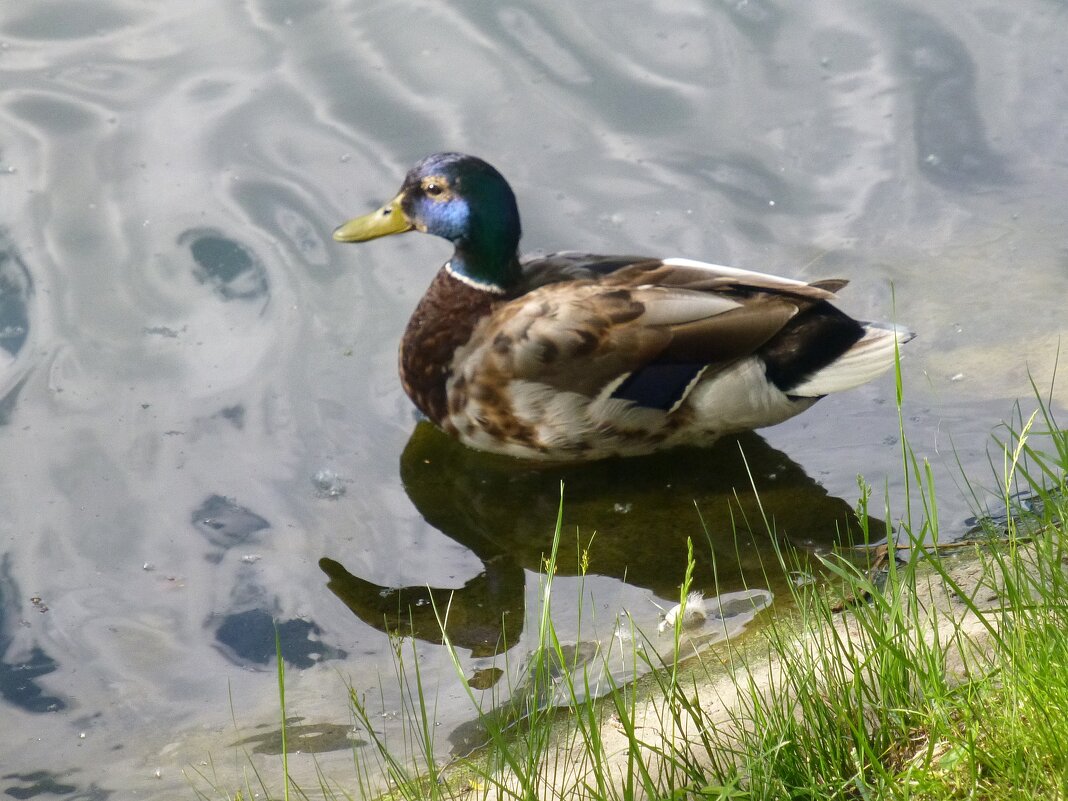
[435, 187]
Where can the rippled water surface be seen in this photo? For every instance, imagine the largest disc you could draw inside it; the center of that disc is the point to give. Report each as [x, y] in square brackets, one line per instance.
[201, 430]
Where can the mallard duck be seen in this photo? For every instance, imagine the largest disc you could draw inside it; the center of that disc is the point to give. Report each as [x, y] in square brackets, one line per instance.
[572, 356]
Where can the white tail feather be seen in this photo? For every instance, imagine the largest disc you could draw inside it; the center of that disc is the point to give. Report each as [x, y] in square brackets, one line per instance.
[871, 356]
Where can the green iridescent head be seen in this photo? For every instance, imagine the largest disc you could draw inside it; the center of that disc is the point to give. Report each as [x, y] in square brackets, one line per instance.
[460, 198]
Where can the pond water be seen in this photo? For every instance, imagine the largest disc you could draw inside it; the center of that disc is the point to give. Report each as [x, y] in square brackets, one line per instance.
[201, 429]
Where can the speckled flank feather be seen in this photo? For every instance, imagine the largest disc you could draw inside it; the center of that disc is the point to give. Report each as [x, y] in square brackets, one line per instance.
[572, 356]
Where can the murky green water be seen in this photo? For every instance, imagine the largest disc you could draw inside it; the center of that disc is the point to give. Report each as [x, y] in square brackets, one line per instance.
[201, 428]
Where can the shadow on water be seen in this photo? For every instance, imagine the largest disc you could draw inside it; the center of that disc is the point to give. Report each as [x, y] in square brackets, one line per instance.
[632, 517]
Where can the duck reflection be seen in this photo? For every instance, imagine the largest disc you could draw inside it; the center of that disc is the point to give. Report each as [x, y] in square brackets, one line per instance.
[630, 518]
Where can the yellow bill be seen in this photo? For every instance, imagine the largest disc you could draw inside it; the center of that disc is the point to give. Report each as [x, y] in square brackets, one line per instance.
[390, 219]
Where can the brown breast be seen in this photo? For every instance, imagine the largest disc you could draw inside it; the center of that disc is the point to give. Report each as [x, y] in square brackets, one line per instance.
[443, 320]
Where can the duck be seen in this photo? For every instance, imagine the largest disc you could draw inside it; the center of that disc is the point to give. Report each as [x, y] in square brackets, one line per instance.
[570, 356]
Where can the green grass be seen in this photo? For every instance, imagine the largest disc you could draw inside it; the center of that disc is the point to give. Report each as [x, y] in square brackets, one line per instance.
[941, 675]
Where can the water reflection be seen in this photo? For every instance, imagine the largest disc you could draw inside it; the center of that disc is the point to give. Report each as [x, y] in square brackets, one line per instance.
[642, 510]
[16, 290]
[226, 266]
[951, 146]
[180, 350]
[252, 630]
[16, 286]
[18, 677]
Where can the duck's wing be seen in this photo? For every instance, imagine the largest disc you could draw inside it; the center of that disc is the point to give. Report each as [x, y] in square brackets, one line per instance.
[540, 269]
[645, 332]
